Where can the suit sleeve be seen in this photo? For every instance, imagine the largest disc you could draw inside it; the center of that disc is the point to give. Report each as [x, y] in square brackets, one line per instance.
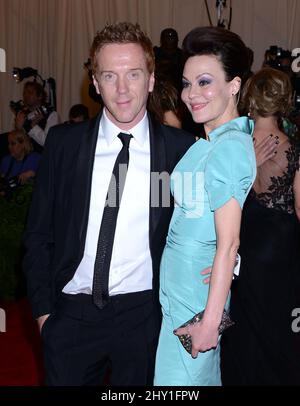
[38, 236]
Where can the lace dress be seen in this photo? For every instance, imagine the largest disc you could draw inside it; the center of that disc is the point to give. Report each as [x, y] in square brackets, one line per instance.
[262, 348]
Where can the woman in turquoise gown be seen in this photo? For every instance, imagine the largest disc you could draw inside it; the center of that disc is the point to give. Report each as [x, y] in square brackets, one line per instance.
[209, 184]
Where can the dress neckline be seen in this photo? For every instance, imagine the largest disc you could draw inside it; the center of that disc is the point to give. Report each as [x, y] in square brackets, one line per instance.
[243, 124]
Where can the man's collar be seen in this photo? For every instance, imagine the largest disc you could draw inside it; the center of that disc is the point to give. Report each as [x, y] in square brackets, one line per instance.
[110, 131]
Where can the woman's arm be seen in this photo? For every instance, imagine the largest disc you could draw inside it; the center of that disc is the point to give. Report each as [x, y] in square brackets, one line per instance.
[227, 222]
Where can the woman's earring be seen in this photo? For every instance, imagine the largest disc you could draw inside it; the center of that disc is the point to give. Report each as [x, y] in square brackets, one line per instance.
[238, 94]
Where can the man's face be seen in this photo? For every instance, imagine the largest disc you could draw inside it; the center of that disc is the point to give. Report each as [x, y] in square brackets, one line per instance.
[123, 80]
[30, 97]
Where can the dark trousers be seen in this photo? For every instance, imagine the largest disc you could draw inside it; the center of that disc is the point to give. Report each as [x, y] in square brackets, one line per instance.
[81, 341]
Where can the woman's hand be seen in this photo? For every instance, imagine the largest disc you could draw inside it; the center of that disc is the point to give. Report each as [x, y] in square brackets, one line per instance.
[266, 149]
[204, 336]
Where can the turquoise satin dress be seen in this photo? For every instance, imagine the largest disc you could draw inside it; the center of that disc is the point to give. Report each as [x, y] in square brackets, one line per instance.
[209, 175]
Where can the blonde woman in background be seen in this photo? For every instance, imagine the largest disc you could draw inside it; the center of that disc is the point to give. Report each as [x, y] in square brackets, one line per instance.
[21, 162]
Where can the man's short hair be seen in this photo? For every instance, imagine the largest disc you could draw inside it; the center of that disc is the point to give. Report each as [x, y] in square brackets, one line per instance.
[123, 33]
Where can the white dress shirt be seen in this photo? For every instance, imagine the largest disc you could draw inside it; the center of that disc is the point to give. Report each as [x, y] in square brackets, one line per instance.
[131, 264]
[38, 134]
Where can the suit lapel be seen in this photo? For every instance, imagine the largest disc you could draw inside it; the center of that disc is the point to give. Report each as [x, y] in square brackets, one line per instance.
[158, 164]
[83, 178]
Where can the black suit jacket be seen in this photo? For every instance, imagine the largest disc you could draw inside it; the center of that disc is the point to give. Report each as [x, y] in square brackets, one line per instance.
[58, 216]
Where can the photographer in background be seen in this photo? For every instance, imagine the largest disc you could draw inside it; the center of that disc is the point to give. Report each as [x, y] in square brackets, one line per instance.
[20, 165]
[36, 117]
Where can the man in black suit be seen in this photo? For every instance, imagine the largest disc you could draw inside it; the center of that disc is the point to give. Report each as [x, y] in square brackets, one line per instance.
[83, 329]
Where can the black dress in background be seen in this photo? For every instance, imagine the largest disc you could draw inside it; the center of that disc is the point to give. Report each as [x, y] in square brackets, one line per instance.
[262, 349]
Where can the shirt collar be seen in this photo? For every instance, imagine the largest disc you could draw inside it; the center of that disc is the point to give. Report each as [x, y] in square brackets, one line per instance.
[110, 131]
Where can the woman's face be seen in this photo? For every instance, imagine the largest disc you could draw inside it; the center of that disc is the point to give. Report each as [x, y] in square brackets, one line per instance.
[207, 95]
[16, 148]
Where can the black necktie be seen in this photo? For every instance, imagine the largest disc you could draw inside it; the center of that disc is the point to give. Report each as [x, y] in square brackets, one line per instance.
[108, 224]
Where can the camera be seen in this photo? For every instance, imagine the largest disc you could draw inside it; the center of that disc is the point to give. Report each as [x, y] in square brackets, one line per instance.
[8, 185]
[18, 106]
[43, 111]
[30, 115]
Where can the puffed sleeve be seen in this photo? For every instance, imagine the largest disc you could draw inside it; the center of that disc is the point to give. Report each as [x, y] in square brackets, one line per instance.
[229, 173]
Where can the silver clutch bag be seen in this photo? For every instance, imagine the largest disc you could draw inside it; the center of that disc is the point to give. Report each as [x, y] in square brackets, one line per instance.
[186, 339]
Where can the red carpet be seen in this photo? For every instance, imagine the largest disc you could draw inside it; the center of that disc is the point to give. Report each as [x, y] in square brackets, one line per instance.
[20, 347]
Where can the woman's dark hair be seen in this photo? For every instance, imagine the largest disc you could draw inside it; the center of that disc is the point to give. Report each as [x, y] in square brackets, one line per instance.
[225, 45]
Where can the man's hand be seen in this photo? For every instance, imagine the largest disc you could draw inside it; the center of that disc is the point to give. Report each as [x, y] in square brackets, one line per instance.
[266, 149]
[236, 270]
[37, 119]
[41, 320]
[206, 271]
